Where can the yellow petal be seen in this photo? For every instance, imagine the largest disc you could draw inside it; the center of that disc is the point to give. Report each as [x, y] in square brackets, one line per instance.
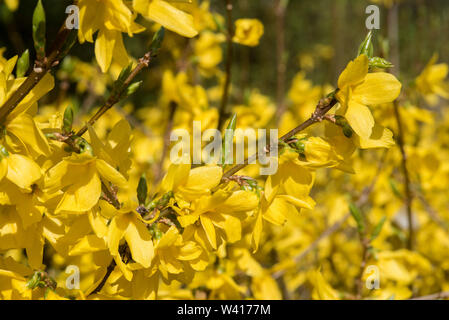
[141, 6]
[110, 174]
[88, 244]
[169, 238]
[378, 88]
[257, 231]
[299, 180]
[380, 138]
[240, 201]
[104, 47]
[265, 288]
[139, 240]
[123, 268]
[171, 18]
[276, 212]
[26, 130]
[45, 85]
[22, 171]
[98, 222]
[176, 175]
[34, 245]
[117, 229]
[233, 229]
[304, 202]
[322, 289]
[360, 119]
[100, 149]
[81, 196]
[204, 178]
[120, 55]
[3, 168]
[55, 178]
[354, 73]
[210, 230]
[189, 251]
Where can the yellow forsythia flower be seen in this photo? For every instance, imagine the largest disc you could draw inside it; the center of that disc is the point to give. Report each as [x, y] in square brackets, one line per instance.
[360, 89]
[430, 82]
[167, 15]
[248, 32]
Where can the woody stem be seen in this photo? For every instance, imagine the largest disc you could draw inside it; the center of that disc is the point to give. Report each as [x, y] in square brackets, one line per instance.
[228, 68]
[408, 199]
[317, 116]
[39, 71]
[114, 98]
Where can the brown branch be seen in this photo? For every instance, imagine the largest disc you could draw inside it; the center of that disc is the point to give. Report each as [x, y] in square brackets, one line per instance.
[366, 245]
[408, 197]
[114, 98]
[40, 69]
[160, 167]
[110, 195]
[228, 68]
[109, 270]
[322, 108]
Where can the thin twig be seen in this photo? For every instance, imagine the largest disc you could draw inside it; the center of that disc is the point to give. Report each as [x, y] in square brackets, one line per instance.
[109, 270]
[366, 245]
[322, 108]
[110, 195]
[228, 69]
[408, 197]
[113, 99]
[40, 69]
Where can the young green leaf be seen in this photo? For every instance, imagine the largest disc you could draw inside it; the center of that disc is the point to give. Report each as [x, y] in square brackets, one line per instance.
[68, 120]
[394, 188]
[378, 228]
[358, 217]
[39, 22]
[228, 140]
[23, 64]
[34, 280]
[124, 74]
[133, 87]
[156, 43]
[367, 47]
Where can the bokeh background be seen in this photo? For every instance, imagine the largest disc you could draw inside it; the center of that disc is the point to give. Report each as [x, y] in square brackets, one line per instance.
[319, 36]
